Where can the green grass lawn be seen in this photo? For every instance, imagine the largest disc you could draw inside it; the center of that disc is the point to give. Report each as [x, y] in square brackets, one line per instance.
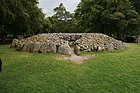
[108, 72]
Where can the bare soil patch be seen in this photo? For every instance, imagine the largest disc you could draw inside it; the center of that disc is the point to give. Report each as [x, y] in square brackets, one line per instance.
[78, 59]
[75, 58]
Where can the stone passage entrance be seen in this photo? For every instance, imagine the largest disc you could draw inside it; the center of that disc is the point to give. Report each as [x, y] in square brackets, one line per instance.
[72, 50]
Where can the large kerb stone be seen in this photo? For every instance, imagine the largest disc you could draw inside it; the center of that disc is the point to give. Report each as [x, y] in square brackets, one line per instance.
[64, 49]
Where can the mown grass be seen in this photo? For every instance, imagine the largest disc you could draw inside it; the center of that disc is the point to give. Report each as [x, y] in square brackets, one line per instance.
[108, 72]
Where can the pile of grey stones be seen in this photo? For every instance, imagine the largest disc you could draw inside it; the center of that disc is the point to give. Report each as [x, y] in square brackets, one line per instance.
[66, 43]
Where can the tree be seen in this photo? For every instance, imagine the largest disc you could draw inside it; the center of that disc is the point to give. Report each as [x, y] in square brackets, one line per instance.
[117, 17]
[47, 25]
[61, 13]
[62, 20]
[20, 17]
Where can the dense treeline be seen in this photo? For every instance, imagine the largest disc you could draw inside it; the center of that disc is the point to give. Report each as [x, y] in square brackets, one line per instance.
[20, 17]
[112, 17]
[118, 18]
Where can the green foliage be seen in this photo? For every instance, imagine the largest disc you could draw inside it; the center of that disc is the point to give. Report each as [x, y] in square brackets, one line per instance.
[62, 20]
[20, 16]
[47, 26]
[61, 13]
[107, 72]
[136, 4]
[117, 17]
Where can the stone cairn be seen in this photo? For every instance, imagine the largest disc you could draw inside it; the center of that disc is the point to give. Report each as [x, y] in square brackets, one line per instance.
[68, 43]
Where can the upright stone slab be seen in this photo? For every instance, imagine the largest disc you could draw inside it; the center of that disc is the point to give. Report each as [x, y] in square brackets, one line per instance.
[77, 50]
[37, 46]
[64, 49]
[48, 47]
